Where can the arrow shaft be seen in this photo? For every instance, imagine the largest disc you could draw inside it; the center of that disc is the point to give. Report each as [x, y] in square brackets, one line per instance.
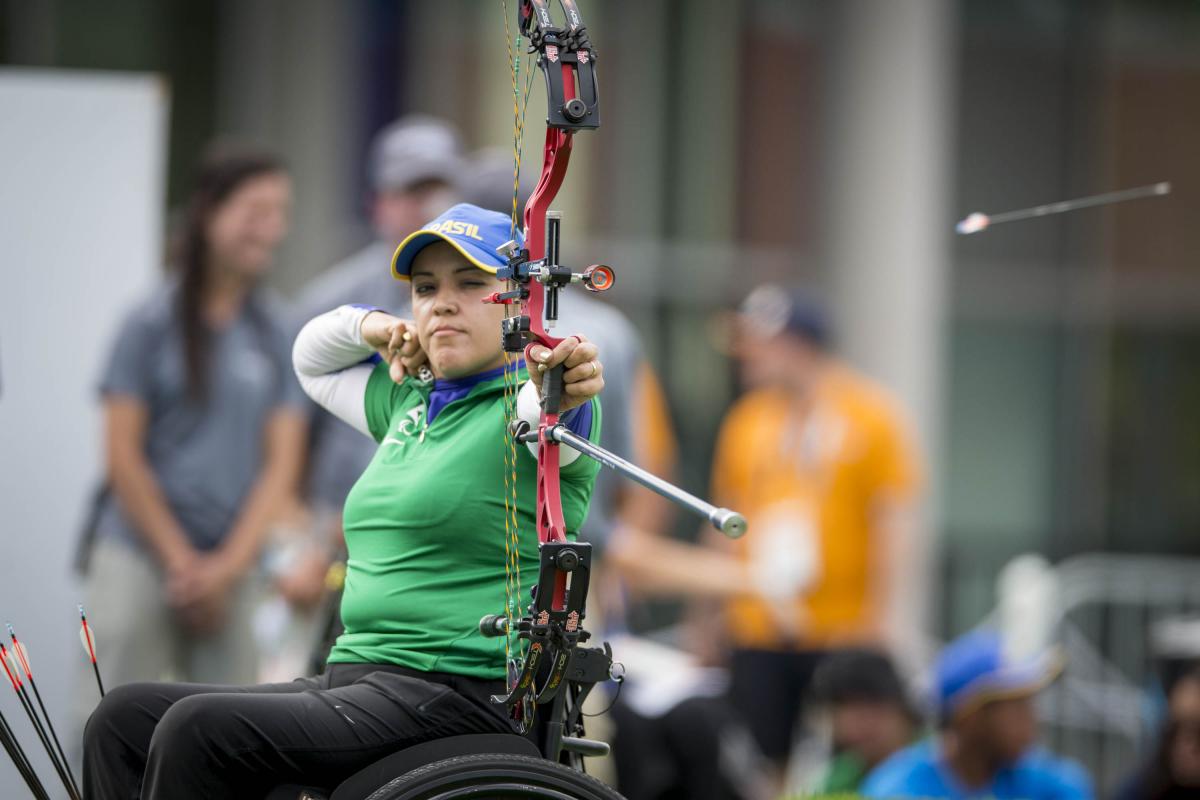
[21, 761]
[1063, 206]
[21, 653]
[50, 726]
[27, 704]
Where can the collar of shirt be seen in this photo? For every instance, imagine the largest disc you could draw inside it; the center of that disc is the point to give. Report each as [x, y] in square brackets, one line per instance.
[446, 392]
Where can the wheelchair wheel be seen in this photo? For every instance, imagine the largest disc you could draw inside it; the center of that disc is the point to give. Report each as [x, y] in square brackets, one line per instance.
[494, 776]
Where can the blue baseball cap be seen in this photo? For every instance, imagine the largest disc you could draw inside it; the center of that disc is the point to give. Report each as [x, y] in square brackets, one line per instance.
[472, 231]
[975, 669]
[770, 310]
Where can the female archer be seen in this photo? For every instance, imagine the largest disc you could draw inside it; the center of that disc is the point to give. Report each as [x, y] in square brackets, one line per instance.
[425, 532]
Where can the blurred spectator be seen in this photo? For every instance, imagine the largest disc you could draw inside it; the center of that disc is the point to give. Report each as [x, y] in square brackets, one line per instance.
[204, 434]
[814, 455]
[415, 167]
[816, 458]
[488, 181]
[988, 728]
[869, 713]
[1174, 771]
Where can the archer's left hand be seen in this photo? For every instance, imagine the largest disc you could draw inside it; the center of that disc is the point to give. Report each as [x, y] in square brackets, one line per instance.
[583, 376]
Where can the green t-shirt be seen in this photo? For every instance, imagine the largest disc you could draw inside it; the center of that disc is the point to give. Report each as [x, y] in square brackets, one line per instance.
[844, 775]
[425, 529]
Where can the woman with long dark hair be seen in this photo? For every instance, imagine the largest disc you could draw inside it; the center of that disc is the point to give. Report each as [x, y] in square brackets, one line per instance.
[203, 437]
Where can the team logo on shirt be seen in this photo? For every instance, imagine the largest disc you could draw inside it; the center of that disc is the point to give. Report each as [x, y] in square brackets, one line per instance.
[409, 426]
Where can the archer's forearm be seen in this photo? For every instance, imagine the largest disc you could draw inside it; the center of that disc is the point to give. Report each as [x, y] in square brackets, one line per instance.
[144, 503]
[274, 487]
[643, 510]
[655, 565]
[895, 568]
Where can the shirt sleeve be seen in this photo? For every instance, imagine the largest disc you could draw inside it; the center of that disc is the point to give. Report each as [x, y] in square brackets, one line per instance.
[584, 468]
[897, 777]
[583, 420]
[1067, 780]
[730, 473]
[128, 369]
[1075, 787]
[380, 399]
[892, 462]
[335, 367]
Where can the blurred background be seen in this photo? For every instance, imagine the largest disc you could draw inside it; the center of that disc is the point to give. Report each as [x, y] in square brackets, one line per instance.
[1048, 366]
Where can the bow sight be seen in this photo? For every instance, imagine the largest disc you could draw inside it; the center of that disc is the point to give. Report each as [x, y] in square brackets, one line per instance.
[548, 272]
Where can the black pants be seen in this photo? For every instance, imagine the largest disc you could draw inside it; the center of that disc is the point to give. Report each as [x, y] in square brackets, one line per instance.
[699, 750]
[770, 689]
[162, 740]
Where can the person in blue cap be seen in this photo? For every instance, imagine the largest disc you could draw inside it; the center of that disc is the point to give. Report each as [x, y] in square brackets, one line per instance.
[986, 746]
[425, 528]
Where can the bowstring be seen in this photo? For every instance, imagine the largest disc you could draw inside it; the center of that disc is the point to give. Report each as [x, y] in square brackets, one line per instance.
[512, 550]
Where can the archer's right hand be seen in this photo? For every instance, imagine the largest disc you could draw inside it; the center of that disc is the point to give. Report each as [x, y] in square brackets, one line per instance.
[396, 342]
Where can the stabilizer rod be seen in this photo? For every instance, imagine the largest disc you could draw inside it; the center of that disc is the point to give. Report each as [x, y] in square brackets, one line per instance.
[727, 521]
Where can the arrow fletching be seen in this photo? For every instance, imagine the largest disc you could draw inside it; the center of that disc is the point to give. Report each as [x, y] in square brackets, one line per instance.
[20, 652]
[11, 668]
[23, 655]
[88, 639]
[973, 224]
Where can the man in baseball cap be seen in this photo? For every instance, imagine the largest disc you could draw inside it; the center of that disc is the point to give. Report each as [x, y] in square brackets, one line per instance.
[415, 150]
[986, 747]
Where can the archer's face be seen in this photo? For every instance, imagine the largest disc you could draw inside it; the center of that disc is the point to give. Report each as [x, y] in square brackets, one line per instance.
[458, 331]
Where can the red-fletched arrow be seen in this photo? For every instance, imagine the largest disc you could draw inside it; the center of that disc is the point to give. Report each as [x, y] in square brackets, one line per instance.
[88, 639]
[12, 668]
[23, 656]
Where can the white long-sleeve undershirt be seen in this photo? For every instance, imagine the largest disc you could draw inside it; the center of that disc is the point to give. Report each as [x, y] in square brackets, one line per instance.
[329, 356]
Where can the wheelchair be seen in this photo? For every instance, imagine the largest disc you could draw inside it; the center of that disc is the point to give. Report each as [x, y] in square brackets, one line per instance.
[546, 762]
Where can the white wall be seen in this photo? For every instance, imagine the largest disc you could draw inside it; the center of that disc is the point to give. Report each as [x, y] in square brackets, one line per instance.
[81, 218]
[889, 127]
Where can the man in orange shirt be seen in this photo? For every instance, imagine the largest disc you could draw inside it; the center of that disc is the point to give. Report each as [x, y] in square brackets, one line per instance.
[816, 457]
